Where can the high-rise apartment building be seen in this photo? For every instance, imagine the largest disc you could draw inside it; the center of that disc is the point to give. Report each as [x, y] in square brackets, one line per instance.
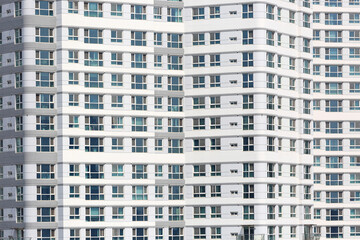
[179, 120]
[336, 105]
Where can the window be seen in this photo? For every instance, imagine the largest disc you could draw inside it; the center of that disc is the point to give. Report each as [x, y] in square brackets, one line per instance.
[175, 62]
[117, 213]
[45, 171]
[44, 79]
[214, 102]
[199, 145]
[18, 8]
[174, 15]
[138, 82]
[73, 121]
[215, 12]
[215, 123]
[248, 212]
[248, 80]
[354, 196]
[214, 38]
[270, 11]
[117, 192]
[333, 106]
[157, 12]
[355, 161]
[117, 170]
[46, 234]
[199, 171]
[139, 214]
[116, 36]
[19, 172]
[334, 197]
[94, 171]
[74, 170]
[354, 178]
[95, 234]
[46, 214]
[248, 37]
[199, 212]
[248, 170]
[198, 13]
[93, 9]
[44, 8]
[93, 59]
[94, 192]
[18, 59]
[306, 20]
[159, 194]
[74, 213]
[73, 57]
[73, 78]
[94, 80]
[354, 36]
[116, 58]
[333, 88]
[44, 122]
[175, 172]
[215, 232]
[354, 53]
[199, 191]
[73, 99]
[175, 146]
[354, 231]
[248, 59]
[73, 7]
[116, 9]
[199, 61]
[94, 145]
[334, 179]
[94, 214]
[73, 34]
[18, 80]
[249, 191]
[139, 145]
[336, 36]
[45, 35]
[270, 38]
[157, 39]
[215, 60]
[20, 194]
[248, 101]
[44, 58]
[199, 233]
[45, 193]
[334, 214]
[139, 193]
[138, 12]
[139, 171]
[116, 101]
[93, 36]
[247, 11]
[248, 122]
[116, 80]
[176, 233]
[175, 84]
[354, 70]
[316, 52]
[270, 212]
[45, 144]
[174, 40]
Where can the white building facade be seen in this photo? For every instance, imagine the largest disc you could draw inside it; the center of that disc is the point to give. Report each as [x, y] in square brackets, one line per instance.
[336, 118]
[144, 120]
